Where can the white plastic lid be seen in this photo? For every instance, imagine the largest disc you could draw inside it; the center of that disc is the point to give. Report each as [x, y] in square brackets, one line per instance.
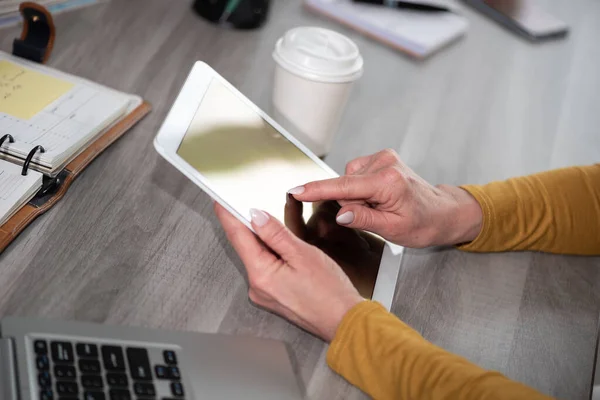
[319, 54]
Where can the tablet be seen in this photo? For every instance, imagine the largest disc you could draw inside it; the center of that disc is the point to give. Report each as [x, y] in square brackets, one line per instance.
[243, 159]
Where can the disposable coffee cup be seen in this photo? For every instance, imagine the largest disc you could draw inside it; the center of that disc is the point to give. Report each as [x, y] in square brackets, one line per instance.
[314, 74]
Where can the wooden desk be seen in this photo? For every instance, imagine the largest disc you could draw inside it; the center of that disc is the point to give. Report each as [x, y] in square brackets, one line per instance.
[135, 243]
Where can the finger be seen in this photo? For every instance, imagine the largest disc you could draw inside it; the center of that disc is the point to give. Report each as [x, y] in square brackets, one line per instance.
[383, 159]
[275, 235]
[370, 164]
[357, 164]
[252, 253]
[292, 216]
[348, 187]
[329, 232]
[365, 218]
[348, 202]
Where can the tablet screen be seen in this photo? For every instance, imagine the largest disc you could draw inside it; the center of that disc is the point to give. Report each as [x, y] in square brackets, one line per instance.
[249, 164]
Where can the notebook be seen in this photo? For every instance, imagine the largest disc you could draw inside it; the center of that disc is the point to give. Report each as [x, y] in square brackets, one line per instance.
[70, 118]
[15, 189]
[414, 32]
[60, 112]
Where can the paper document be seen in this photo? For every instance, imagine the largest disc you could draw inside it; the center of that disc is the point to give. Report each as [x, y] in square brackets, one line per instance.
[415, 32]
[46, 108]
[24, 92]
[16, 189]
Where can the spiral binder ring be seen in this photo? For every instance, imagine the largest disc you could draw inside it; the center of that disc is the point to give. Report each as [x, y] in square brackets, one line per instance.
[30, 156]
[7, 136]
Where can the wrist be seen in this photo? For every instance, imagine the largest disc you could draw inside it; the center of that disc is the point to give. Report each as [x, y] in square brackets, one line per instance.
[466, 216]
[344, 309]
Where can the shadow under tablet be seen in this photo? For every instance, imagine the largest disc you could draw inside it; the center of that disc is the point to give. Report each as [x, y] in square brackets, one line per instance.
[357, 252]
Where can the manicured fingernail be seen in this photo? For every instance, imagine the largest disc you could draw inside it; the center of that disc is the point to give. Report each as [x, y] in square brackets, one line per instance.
[346, 218]
[260, 218]
[296, 190]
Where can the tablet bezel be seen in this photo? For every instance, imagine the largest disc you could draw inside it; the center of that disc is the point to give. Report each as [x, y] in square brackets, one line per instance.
[175, 127]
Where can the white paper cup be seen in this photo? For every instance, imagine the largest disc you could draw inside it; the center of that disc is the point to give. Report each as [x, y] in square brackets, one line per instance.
[314, 73]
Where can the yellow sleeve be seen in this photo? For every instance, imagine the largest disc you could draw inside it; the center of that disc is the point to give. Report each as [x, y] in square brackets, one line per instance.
[556, 211]
[387, 359]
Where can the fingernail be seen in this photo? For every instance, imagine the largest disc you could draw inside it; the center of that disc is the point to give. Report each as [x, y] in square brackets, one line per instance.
[259, 218]
[296, 190]
[346, 218]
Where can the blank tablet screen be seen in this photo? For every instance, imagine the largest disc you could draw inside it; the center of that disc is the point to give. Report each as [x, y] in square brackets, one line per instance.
[249, 164]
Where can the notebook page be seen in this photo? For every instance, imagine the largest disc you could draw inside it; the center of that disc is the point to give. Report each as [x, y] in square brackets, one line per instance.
[135, 101]
[16, 189]
[418, 32]
[70, 113]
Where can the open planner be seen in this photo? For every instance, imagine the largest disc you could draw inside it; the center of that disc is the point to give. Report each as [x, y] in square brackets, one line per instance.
[15, 189]
[61, 113]
[52, 125]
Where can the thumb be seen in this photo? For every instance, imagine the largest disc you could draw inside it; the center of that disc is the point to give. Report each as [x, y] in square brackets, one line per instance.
[275, 235]
[362, 217]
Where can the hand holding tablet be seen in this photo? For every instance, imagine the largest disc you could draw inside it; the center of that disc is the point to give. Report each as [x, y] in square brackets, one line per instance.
[298, 282]
[244, 160]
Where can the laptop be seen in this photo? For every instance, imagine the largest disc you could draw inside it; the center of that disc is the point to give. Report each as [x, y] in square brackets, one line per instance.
[55, 360]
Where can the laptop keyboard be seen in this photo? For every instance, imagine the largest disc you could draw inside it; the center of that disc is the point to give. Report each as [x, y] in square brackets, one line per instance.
[79, 370]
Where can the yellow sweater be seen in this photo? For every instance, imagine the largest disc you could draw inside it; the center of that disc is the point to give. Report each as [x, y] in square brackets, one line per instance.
[556, 211]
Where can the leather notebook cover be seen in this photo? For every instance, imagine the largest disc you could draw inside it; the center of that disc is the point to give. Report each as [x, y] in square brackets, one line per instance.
[15, 225]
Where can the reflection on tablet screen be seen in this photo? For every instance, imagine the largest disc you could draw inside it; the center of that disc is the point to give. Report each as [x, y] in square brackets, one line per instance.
[249, 164]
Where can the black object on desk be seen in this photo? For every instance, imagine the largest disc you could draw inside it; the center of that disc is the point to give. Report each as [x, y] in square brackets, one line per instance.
[241, 14]
[37, 38]
[406, 5]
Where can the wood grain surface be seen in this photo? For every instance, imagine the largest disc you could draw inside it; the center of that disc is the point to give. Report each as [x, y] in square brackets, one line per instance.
[135, 243]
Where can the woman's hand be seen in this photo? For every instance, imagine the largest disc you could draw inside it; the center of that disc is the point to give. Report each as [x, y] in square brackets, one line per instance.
[380, 194]
[290, 277]
[358, 253]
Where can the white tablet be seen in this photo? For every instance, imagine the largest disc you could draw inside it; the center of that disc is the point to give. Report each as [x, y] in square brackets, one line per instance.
[243, 159]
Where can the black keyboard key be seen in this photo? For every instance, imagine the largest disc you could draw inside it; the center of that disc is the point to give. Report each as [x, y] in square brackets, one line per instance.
[67, 388]
[92, 382]
[67, 398]
[139, 364]
[117, 380]
[94, 396]
[177, 389]
[40, 347]
[174, 373]
[113, 358]
[89, 366]
[161, 372]
[43, 363]
[120, 394]
[46, 395]
[86, 350]
[44, 379]
[62, 352]
[144, 389]
[64, 372]
[170, 357]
